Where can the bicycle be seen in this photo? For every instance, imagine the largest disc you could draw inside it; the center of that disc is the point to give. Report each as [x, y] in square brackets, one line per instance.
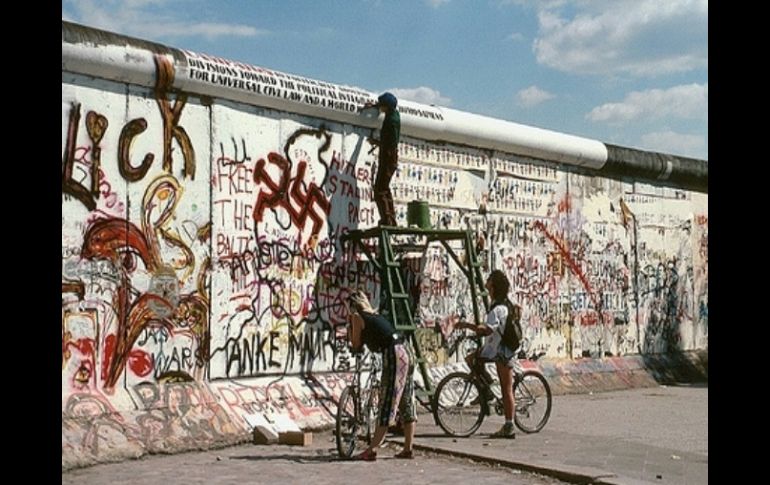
[358, 407]
[459, 406]
[459, 343]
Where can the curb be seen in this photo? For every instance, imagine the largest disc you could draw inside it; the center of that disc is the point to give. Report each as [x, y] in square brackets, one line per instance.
[571, 474]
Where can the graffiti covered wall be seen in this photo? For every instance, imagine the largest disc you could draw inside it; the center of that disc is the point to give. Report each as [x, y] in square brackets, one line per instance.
[203, 275]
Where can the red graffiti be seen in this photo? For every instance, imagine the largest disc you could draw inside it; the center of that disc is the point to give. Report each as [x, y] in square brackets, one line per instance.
[570, 263]
[85, 368]
[139, 362]
[109, 351]
[84, 345]
[281, 194]
[589, 319]
[107, 238]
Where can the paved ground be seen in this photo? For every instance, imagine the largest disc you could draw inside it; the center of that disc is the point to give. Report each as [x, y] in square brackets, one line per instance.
[658, 435]
[654, 435]
[317, 464]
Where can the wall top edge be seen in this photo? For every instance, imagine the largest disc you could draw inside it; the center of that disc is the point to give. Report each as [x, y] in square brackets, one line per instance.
[97, 53]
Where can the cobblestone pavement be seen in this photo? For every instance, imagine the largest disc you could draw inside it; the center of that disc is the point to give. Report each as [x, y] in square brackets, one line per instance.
[317, 464]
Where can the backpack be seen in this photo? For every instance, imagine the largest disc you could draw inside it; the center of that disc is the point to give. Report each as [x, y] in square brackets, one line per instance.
[512, 333]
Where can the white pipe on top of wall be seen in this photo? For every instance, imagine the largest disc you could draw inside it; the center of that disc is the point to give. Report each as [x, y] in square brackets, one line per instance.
[126, 64]
[482, 131]
[221, 78]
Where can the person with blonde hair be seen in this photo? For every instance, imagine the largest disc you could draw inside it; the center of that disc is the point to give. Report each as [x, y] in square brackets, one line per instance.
[369, 328]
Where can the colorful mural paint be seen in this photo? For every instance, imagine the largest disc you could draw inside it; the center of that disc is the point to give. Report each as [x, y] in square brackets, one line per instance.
[232, 266]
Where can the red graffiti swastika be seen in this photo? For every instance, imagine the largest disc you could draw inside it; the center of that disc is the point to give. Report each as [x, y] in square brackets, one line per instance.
[280, 193]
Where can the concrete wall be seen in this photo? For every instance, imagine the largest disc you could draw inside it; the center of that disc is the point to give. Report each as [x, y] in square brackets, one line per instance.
[203, 275]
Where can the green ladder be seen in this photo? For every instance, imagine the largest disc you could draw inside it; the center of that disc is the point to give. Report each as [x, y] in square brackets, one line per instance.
[392, 284]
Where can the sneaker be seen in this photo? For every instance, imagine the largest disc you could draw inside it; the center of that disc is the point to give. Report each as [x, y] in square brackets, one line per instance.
[405, 454]
[506, 431]
[367, 455]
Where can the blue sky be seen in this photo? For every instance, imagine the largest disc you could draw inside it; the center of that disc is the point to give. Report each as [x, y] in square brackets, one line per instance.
[627, 72]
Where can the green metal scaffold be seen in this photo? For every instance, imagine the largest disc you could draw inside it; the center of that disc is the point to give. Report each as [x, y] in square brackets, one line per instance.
[389, 268]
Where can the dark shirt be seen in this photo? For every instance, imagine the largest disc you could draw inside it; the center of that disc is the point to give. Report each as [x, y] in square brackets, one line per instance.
[377, 333]
[390, 133]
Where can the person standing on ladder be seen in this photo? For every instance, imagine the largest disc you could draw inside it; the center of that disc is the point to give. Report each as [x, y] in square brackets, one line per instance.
[388, 157]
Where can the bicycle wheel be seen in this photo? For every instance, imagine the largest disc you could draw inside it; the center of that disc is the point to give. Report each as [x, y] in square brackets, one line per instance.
[456, 404]
[533, 402]
[371, 412]
[347, 426]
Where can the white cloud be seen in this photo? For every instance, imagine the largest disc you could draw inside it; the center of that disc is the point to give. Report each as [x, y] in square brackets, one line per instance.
[676, 143]
[143, 18]
[636, 37]
[204, 29]
[422, 95]
[436, 3]
[689, 101]
[528, 3]
[532, 96]
[142, 3]
[516, 36]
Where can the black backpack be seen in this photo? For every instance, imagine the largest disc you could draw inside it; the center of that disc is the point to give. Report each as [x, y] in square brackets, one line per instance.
[512, 332]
